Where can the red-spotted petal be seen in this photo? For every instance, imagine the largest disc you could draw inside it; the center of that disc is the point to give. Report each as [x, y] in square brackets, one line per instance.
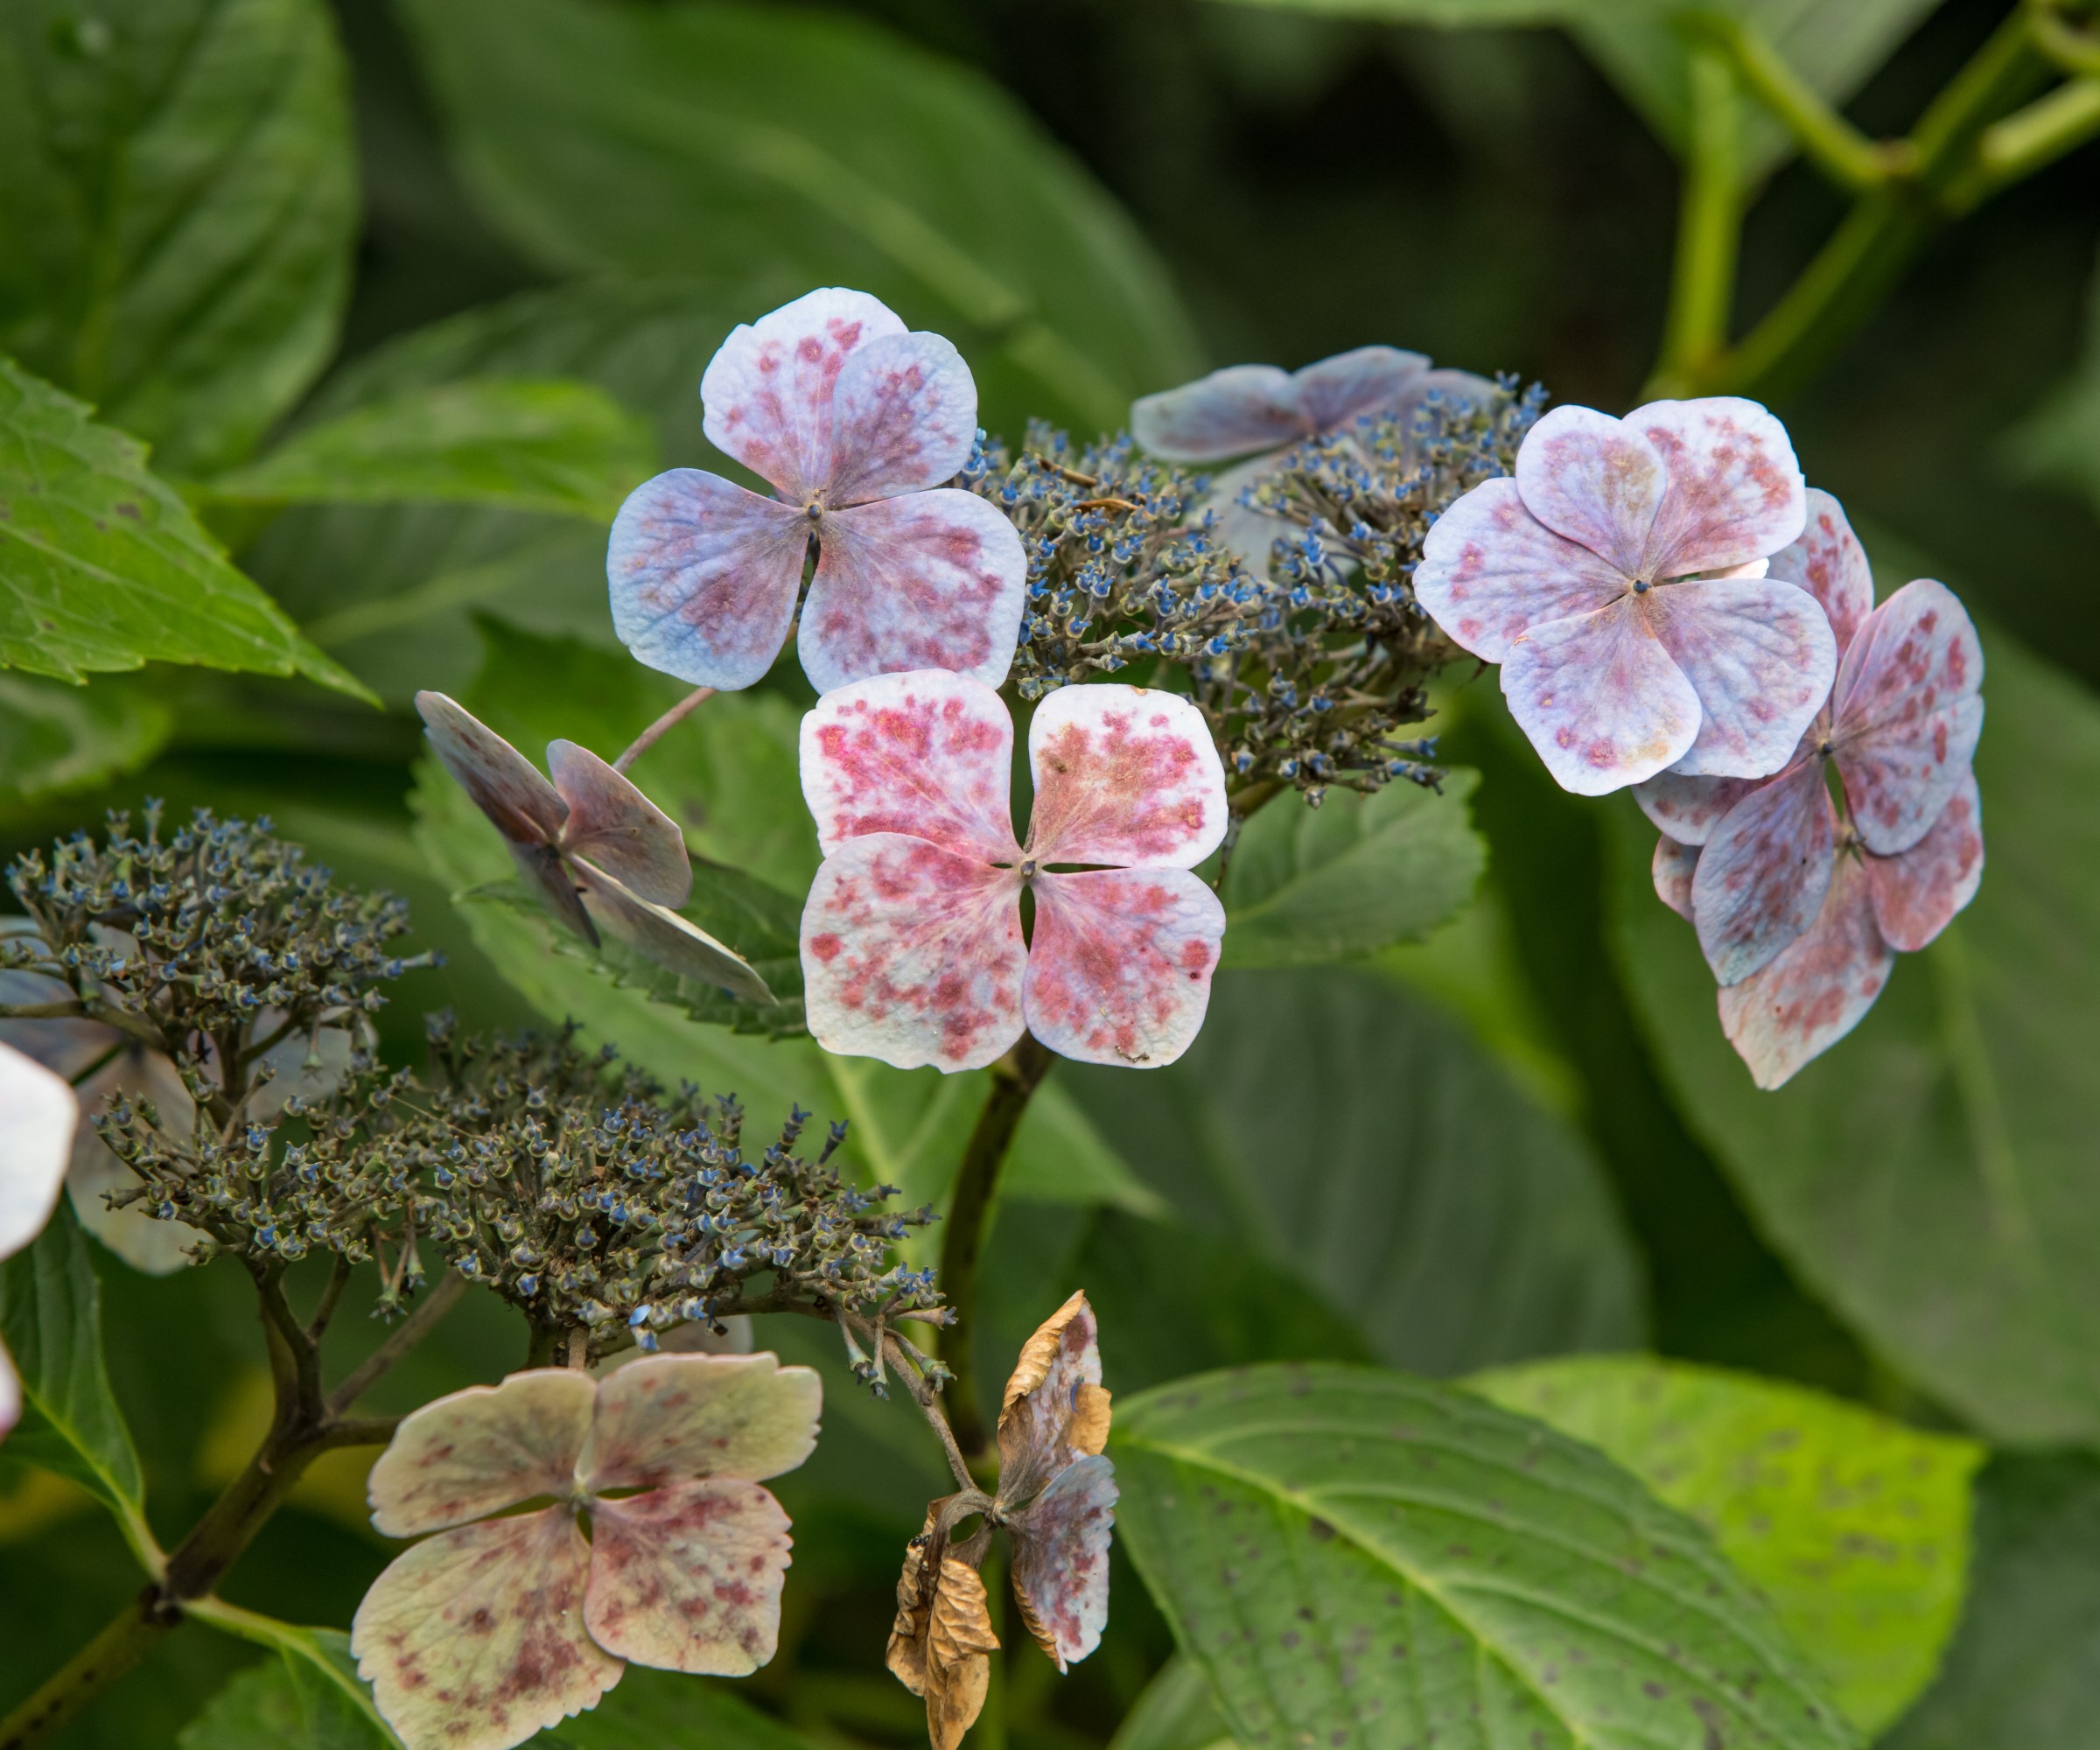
[1687, 809]
[621, 830]
[1815, 992]
[1054, 1412]
[913, 955]
[904, 418]
[1119, 970]
[481, 1450]
[39, 1114]
[659, 934]
[1762, 874]
[1831, 565]
[1672, 869]
[1759, 655]
[474, 1640]
[769, 391]
[688, 1578]
[672, 1417]
[931, 580]
[1917, 892]
[1060, 1559]
[1491, 570]
[506, 786]
[703, 577]
[929, 753]
[1127, 775]
[1594, 480]
[1232, 412]
[1735, 491]
[1600, 699]
[1908, 714]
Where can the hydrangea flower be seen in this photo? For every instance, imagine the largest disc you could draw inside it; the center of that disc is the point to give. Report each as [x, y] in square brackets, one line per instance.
[911, 943]
[502, 1623]
[38, 1116]
[855, 423]
[1619, 579]
[596, 851]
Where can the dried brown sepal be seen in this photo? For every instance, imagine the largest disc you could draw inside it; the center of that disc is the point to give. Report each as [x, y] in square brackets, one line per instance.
[1055, 1409]
[906, 1656]
[941, 1641]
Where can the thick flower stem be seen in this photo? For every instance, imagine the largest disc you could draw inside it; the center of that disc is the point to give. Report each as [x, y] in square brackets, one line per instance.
[1014, 1079]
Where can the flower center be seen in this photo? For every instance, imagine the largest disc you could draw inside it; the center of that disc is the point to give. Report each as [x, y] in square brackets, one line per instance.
[814, 510]
[1641, 586]
[1028, 867]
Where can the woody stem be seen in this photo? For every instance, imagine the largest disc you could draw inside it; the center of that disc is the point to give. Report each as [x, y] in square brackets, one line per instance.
[654, 732]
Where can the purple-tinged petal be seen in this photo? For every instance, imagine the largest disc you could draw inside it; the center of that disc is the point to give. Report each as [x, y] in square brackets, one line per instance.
[1054, 1411]
[672, 1417]
[1491, 570]
[10, 1393]
[904, 418]
[1672, 869]
[929, 754]
[474, 1640]
[618, 828]
[913, 954]
[1815, 993]
[481, 1450]
[148, 1244]
[1735, 491]
[38, 1114]
[702, 576]
[659, 934]
[769, 391]
[931, 580]
[1917, 892]
[1060, 1559]
[688, 1578]
[550, 880]
[1687, 809]
[1333, 394]
[1759, 655]
[1600, 699]
[1831, 565]
[506, 786]
[1762, 874]
[1119, 970]
[1232, 412]
[1594, 480]
[1908, 714]
[1125, 775]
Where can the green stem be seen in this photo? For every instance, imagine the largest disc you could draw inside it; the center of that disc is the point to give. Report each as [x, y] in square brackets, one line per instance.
[1709, 224]
[2030, 140]
[124, 1642]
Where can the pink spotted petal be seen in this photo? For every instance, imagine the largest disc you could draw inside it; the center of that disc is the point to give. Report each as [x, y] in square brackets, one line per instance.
[1815, 992]
[1127, 775]
[1594, 480]
[904, 418]
[913, 955]
[688, 1578]
[618, 828]
[1232, 412]
[770, 391]
[1119, 970]
[1687, 809]
[672, 1416]
[1600, 699]
[1831, 565]
[703, 577]
[39, 1114]
[1917, 893]
[481, 1450]
[506, 786]
[1672, 868]
[10, 1393]
[552, 881]
[1735, 491]
[1060, 1559]
[659, 934]
[1334, 393]
[1908, 714]
[931, 580]
[1762, 874]
[1491, 570]
[929, 754]
[474, 1640]
[1761, 657]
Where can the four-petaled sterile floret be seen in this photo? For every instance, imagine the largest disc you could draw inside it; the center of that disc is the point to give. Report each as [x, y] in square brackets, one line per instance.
[38, 1116]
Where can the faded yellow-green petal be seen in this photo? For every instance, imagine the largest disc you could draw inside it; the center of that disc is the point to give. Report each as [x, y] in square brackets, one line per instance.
[481, 1450]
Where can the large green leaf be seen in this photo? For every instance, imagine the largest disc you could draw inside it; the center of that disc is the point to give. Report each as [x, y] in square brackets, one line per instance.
[178, 209]
[1358, 1139]
[1176, 1712]
[653, 139]
[308, 1697]
[1357, 1558]
[2059, 442]
[667, 1711]
[1356, 874]
[1931, 1175]
[1854, 1528]
[102, 567]
[55, 737]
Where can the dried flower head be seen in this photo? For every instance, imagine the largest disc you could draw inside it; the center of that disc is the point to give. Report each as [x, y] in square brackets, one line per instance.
[38, 1116]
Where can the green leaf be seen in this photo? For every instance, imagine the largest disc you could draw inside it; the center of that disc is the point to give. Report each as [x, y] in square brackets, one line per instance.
[178, 209]
[309, 1698]
[1930, 1176]
[102, 566]
[1306, 886]
[54, 738]
[668, 1711]
[1356, 1138]
[51, 1320]
[1458, 14]
[698, 136]
[1176, 1712]
[1854, 1527]
[1359, 1558]
[2059, 442]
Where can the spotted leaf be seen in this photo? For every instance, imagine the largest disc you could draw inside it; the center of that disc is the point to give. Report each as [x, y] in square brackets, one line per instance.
[1124, 775]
